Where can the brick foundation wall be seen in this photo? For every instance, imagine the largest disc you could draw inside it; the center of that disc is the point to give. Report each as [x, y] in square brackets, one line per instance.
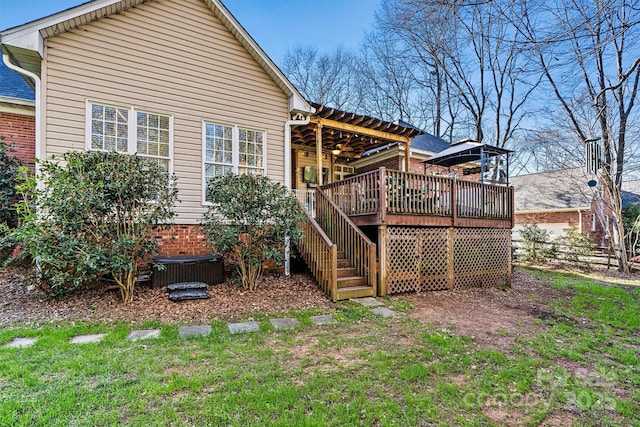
[20, 133]
[183, 240]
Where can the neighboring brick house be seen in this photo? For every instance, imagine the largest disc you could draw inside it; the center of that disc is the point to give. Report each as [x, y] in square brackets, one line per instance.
[559, 200]
[17, 115]
[392, 157]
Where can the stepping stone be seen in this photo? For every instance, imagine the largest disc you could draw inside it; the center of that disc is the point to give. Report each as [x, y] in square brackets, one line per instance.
[21, 342]
[244, 327]
[85, 339]
[285, 323]
[384, 312]
[193, 331]
[323, 319]
[186, 285]
[367, 302]
[188, 294]
[143, 334]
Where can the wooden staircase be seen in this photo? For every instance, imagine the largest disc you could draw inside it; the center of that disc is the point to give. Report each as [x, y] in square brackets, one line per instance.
[350, 284]
[339, 255]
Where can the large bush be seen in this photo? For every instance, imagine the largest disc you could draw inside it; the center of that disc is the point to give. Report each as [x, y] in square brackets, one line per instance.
[92, 216]
[250, 218]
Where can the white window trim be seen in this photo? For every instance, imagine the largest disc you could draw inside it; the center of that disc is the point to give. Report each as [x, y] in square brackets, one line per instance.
[235, 153]
[132, 134]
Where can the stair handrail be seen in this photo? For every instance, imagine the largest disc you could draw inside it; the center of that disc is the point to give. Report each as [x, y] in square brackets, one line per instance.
[321, 256]
[340, 229]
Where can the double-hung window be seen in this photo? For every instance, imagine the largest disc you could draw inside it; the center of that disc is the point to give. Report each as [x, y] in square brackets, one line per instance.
[129, 131]
[232, 149]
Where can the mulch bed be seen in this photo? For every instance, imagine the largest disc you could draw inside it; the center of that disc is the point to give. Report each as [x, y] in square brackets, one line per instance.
[22, 303]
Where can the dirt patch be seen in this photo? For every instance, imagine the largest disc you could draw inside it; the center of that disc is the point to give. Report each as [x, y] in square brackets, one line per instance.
[21, 304]
[494, 318]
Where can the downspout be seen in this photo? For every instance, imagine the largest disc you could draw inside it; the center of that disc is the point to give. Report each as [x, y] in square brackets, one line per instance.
[580, 221]
[37, 83]
[287, 178]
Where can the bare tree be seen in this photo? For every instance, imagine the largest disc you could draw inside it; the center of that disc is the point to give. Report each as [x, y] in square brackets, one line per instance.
[474, 55]
[587, 53]
[330, 79]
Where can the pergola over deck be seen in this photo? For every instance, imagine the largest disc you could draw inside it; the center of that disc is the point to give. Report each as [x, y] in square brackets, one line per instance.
[346, 135]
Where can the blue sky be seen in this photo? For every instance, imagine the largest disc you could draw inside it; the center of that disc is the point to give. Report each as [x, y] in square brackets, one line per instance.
[277, 25]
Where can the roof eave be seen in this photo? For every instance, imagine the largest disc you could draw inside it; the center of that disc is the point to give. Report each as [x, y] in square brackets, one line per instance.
[550, 210]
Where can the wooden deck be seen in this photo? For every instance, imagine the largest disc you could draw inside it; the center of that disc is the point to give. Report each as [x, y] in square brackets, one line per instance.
[402, 198]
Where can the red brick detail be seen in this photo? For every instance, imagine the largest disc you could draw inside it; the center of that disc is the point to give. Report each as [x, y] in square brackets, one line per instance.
[20, 133]
[183, 240]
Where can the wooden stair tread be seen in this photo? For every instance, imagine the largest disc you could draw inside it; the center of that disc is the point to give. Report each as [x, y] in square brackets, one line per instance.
[355, 292]
[350, 281]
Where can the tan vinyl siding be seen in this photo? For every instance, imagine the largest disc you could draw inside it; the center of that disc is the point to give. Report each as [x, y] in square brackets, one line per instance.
[168, 57]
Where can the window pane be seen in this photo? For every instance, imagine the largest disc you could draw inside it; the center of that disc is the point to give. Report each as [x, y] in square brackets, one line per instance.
[109, 128]
[97, 142]
[164, 122]
[97, 112]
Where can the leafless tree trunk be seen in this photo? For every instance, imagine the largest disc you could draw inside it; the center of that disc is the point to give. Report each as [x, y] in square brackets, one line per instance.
[590, 46]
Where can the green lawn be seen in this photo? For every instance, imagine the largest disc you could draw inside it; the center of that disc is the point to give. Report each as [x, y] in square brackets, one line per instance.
[582, 369]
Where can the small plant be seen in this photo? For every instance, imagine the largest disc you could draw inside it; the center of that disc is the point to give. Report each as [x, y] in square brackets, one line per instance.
[250, 219]
[578, 245]
[537, 244]
[94, 216]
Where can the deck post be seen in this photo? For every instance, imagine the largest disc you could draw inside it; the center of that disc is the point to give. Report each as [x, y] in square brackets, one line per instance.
[454, 201]
[383, 192]
[450, 269]
[382, 248]
[319, 154]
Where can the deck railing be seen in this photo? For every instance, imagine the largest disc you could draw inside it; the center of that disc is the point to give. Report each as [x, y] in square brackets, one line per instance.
[307, 199]
[321, 256]
[395, 192]
[347, 236]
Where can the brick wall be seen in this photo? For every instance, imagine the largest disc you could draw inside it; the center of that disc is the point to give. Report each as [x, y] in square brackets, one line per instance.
[20, 133]
[572, 219]
[186, 240]
[390, 163]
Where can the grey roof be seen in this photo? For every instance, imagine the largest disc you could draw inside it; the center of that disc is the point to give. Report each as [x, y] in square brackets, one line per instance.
[630, 192]
[12, 85]
[561, 189]
[465, 152]
[430, 143]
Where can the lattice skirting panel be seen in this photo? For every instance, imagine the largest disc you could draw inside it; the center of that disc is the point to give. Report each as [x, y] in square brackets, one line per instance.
[482, 257]
[419, 258]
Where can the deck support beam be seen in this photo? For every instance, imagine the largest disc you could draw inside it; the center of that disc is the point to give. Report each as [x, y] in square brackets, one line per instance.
[383, 288]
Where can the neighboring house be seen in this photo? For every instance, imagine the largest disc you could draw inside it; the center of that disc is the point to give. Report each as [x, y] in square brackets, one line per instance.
[17, 115]
[630, 192]
[180, 82]
[559, 200]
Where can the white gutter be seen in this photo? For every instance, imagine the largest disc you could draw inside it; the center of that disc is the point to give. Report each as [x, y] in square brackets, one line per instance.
[287, 178]
[38, 86]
